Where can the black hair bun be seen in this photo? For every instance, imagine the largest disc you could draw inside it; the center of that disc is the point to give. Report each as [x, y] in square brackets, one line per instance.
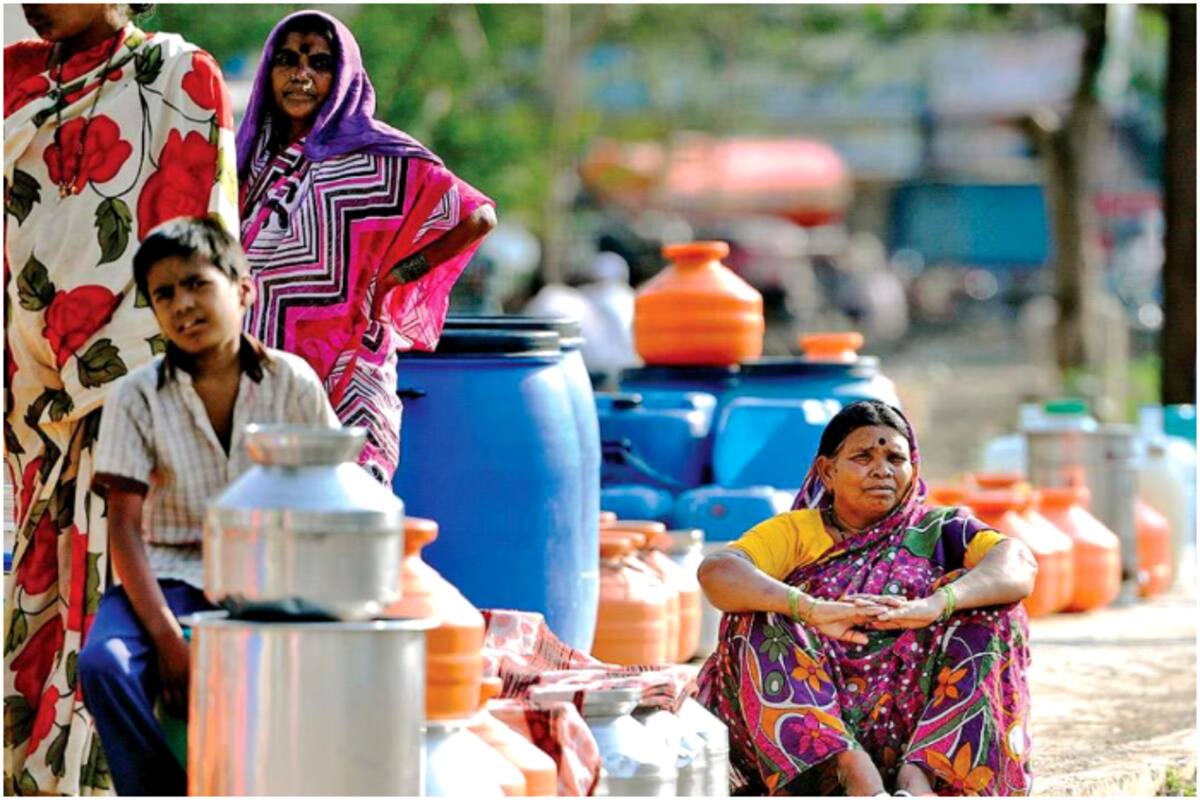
[137, 9]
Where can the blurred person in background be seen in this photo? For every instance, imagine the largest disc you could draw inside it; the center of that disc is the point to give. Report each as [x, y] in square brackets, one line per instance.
[355, 231]
[869, 640]
[108, 131]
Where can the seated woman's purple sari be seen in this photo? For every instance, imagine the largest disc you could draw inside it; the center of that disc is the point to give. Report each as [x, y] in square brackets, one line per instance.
[951, 697]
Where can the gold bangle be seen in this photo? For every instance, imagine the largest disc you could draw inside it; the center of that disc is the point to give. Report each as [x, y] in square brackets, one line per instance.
[794, 596]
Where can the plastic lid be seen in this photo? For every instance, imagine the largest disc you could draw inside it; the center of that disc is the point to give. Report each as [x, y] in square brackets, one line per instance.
[418, 532]
[489, 688]
[690, 251]
[997, 501]
[831, 346]
[493, 343]
[635, 539]
[800, 366]
[615, 547]
[1063, 496]
[996, 480]
[569, 329]
[948, 495]
[684, 539]
[670, 374]
[645, 526]
[1072, 406]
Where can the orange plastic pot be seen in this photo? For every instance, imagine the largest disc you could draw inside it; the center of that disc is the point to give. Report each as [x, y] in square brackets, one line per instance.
[1097, 550]
[696, 311]
[1153, 549]
[631, 623]
[839, 347]
[453, 661]
[1001, 510]
[1061, 541]
[646, 556]
[687, 625]
[996, 480]
[538, 770]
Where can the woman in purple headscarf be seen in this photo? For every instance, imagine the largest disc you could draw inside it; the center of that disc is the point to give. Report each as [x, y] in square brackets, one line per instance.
[355, 231]
[869, 639]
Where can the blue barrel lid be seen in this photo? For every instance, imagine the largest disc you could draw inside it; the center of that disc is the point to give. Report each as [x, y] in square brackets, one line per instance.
[786, 366]
[7, 562]
[569, 329]
[484, 343]
[659, 372]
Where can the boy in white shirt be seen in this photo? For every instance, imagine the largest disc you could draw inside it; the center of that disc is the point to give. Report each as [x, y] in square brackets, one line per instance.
[170, 441]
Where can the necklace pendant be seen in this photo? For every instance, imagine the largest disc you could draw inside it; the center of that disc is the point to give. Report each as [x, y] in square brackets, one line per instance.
[63, 191]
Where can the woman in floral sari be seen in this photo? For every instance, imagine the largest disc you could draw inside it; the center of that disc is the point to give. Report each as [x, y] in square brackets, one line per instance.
[869, 639]
[355, 231]
[108, 131]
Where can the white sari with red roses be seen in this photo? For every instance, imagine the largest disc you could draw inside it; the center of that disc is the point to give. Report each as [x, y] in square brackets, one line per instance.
[157, 142]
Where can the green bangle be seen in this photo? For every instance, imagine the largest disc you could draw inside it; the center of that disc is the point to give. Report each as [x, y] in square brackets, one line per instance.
[951, 602]
[794, 595]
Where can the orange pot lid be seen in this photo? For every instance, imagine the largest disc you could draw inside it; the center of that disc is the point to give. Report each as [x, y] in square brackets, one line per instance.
[997, 501]
[1063, 496]
[948, 495]
[647, 526]
[418, 532]
[831, 346]
[691, 251]
[996, 480]
[634, 539]
[615, 547]
[490, 688]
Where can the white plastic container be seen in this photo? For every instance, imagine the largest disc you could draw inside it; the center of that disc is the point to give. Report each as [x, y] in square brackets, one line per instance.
[1167, 480]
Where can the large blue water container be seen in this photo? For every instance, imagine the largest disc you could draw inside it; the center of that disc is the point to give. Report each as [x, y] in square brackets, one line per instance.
[725, 514]
[773, 418]
[637, 502]
[490, 450]
[713, 380]
[583, 406]
[655, 437]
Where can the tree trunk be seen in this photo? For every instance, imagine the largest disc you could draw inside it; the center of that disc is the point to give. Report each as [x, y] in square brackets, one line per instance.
[1066, 148]
[1178, 344]
[559, 76]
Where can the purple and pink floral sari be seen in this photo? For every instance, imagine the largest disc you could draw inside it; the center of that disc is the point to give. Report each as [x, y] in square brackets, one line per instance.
[951, 697]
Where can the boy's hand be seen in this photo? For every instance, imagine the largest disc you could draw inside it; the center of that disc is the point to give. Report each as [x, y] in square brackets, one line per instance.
[173, 669]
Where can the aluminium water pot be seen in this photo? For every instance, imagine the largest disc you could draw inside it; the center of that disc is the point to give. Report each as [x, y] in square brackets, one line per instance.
[305, 528]
[306, 708]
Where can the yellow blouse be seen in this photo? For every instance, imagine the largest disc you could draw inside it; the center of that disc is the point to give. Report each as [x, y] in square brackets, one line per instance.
[779, 545]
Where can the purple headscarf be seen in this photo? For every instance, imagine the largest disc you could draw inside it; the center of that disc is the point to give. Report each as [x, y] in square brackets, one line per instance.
[346, 122]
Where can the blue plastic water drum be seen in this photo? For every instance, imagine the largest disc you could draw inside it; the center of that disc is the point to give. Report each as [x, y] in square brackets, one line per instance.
[583, 406]
[725, 514]
[655, 437]
[490, 450]
[713, 380]
[638, 502]
[769, 441]
[798, 378]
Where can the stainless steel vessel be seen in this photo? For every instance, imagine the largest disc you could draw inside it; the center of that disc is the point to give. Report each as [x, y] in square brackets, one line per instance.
[635, 762]
[305, 524]
[691, 758]
[716, 746]
[306, 708]
[1105, 459]
[710, 615]
[457, 762]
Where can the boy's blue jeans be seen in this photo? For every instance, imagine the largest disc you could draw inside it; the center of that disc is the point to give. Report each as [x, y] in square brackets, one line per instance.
[118, 670]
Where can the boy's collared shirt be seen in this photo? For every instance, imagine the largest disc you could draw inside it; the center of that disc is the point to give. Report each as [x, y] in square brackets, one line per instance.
[156, 439]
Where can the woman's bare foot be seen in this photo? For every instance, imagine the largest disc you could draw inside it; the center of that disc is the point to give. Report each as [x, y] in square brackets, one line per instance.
[857, 774]
[913, 780]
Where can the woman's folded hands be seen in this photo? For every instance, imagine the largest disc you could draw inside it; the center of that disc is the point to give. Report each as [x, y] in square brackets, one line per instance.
[842, 619]
[892, 612]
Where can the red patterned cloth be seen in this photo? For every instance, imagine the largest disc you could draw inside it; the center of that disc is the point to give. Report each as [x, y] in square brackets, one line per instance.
[520, 649]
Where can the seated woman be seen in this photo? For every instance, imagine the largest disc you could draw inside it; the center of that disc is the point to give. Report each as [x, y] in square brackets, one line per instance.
[869, 639]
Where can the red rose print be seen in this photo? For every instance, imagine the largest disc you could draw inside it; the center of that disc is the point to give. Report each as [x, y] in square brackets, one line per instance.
[27, 480]
[206, 88]
[78, 544]
[74, 316]
[104, 152]
[38, 570]
[88, 60]
[43, 723]
[32, 665]
[187, 170]
[26, 90]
